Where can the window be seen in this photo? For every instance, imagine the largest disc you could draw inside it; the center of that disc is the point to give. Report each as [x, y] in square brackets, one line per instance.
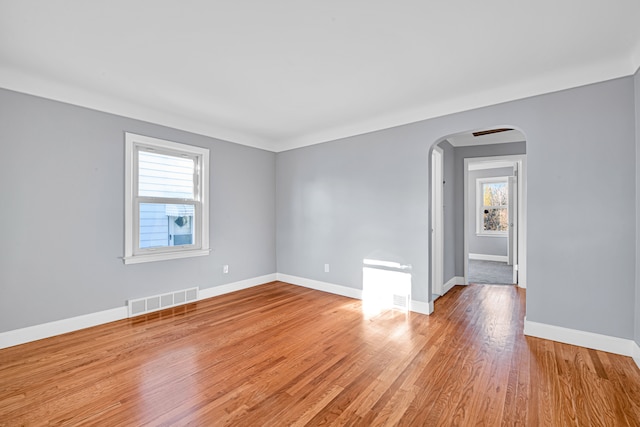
[166, 200]
[492, 206]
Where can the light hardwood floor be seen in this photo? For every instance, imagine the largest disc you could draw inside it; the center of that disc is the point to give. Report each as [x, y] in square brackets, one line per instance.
[279, 354]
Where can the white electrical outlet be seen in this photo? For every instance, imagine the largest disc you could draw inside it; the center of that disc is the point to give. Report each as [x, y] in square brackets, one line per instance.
[326, 268]
[225, 269]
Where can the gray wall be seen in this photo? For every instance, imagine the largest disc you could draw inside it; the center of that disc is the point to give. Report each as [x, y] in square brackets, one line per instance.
[637, 104]
[61, 179]
[367, 197]
[343, 202]
[485, 245]
[61, 186]
[469, 152]
[448, 198]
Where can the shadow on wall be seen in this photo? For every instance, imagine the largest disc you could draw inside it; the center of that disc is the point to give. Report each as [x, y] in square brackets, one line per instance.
[385, 285]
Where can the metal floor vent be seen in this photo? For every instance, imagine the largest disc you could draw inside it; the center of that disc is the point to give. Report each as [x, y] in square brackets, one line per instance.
[160, 302]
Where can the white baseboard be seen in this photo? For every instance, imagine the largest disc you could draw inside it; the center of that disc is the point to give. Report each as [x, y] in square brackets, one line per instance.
[455, 280]
[58, 327]
[555, 333]
[415, 306]
[236, 286]
[331, 288]
[592, 340]
[421, 307]
[484, 257]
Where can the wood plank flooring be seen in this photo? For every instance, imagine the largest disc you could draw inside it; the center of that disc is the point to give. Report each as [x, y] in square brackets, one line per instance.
[278, 355]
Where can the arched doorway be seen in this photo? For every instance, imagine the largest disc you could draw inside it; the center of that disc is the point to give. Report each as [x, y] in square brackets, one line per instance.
[449, 206]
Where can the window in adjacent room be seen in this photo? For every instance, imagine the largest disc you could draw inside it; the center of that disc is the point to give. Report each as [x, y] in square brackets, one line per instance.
[492, 206]
[166, 201]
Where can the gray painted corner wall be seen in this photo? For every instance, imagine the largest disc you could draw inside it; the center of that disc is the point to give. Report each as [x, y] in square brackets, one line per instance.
[62, 191]
[342, 202]
[637, 112]
[367, 197]
[492, 245]
[469, 152]
[591, 130]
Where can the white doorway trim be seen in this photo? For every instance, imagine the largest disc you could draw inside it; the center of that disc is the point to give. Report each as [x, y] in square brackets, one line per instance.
[437, 222]
[519, 162]
[513, 222]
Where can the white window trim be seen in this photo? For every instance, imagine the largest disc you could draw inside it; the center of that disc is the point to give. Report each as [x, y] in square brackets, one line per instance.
[480, 206]
[131, 254]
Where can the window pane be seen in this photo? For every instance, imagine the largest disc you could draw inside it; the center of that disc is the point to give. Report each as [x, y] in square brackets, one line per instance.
[163, 225]
[161, 175]
[495, 194]
[495, 219]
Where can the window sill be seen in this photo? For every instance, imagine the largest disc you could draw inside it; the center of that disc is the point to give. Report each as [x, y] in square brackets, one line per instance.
[137, 259]
[503, 235]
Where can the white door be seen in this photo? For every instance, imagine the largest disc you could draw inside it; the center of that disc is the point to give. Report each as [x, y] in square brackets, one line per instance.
[437, 239]
[513, 224]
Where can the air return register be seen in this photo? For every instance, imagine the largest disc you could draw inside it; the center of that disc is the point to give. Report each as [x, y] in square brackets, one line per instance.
[160, 302]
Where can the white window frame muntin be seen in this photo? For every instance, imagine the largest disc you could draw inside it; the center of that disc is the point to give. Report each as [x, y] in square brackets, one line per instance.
[132, 215]
[480, 231]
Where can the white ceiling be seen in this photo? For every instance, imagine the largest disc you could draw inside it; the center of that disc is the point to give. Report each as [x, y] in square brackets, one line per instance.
[281, 74]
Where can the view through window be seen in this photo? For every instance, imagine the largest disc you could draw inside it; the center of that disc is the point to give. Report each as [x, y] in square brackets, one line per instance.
[493, 206]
